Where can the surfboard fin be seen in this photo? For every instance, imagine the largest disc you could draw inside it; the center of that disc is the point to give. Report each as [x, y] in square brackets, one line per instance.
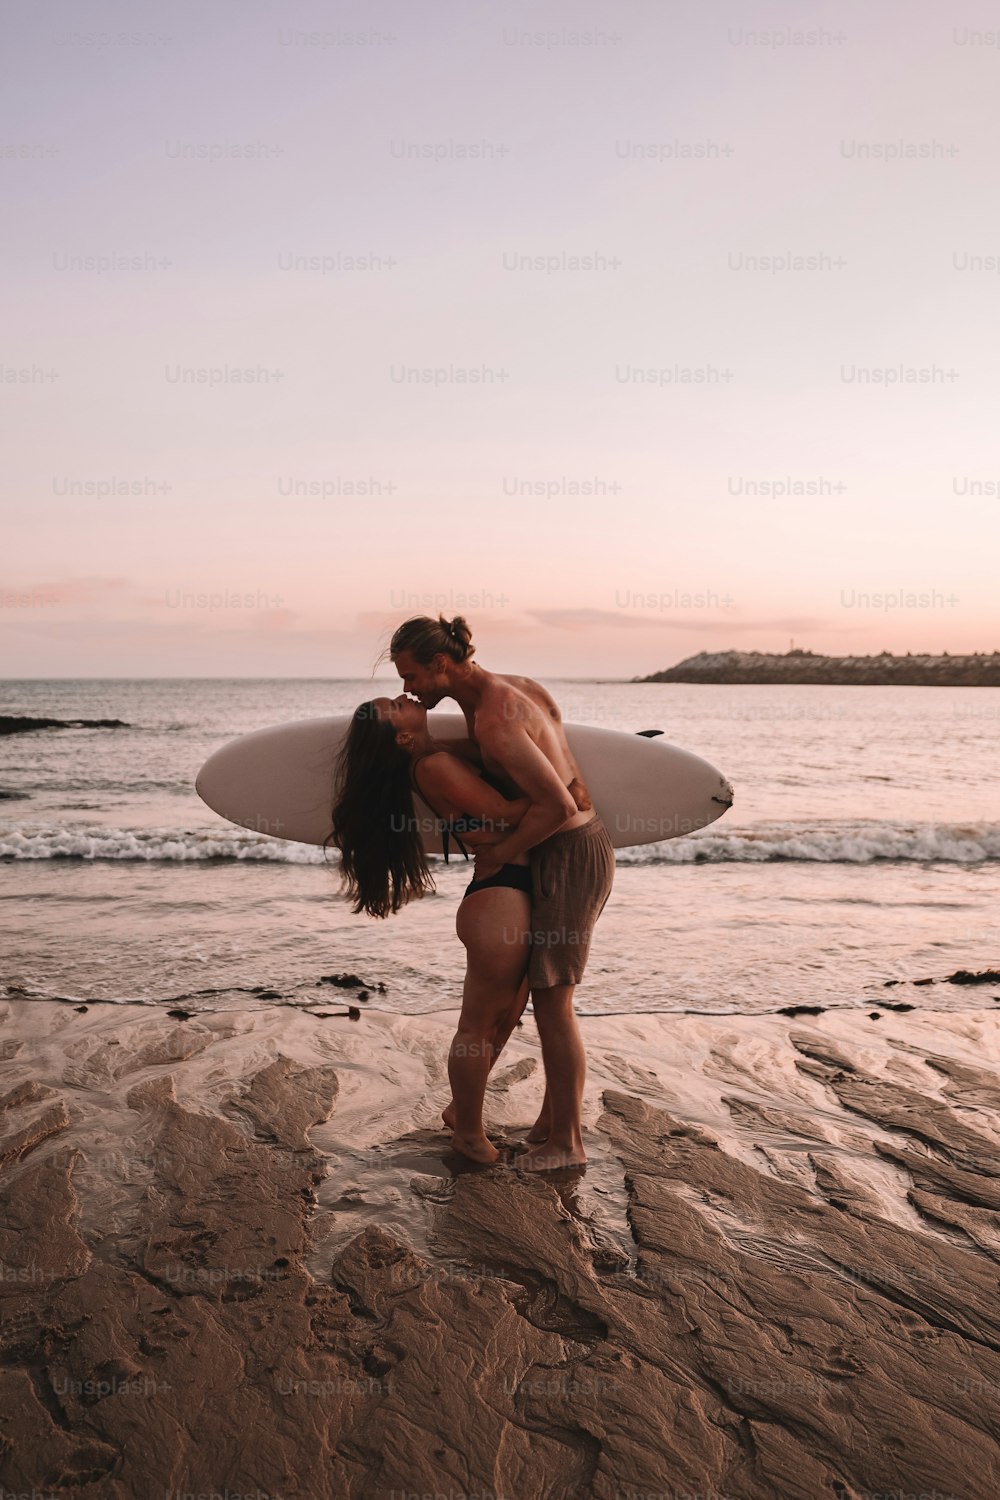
[649, 733]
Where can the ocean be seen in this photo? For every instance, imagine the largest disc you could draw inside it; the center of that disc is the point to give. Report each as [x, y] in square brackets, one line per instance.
[860, 860]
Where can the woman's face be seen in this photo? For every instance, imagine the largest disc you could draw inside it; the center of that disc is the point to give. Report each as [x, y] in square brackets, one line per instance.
[404, 714]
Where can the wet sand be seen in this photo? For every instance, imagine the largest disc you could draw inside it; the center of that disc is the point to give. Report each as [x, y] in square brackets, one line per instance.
[238, 1259]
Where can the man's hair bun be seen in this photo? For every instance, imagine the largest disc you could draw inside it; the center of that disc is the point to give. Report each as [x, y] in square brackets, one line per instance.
[458, 631]
[426, 638]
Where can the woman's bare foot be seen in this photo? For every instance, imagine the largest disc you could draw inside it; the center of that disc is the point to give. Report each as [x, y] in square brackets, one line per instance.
[549, 1158]
[476, 1147]
[448, 1114]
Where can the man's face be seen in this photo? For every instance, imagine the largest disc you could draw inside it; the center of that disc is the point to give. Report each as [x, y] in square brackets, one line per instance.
[405, 716]
[427, 684]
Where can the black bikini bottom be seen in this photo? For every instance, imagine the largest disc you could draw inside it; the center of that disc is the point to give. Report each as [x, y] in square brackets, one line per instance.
[511, 877]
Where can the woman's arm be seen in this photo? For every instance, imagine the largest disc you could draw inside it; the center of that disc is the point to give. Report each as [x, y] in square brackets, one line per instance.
[455, 790]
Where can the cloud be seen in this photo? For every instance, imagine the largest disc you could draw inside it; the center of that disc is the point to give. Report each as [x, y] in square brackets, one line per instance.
[148, 633]
[64, 591]
[275, 619]
[715, 620]
[587, 619]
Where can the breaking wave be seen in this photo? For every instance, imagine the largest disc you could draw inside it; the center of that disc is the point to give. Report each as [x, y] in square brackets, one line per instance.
[834, 842]
[830, 842]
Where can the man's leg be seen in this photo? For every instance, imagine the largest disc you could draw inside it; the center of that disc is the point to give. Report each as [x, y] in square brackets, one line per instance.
[565, 1073]
[572, 876]
[542, 1127]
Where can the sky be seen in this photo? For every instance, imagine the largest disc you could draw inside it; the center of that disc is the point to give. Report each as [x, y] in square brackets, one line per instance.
[626, 331]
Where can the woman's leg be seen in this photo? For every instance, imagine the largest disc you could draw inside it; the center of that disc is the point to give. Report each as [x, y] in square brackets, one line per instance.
[507, 1023]
[501, 1036]
[494, 926]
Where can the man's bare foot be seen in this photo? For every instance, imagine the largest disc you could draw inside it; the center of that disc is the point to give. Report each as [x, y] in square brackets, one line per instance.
[540, 1131]
[548, 1158]
[476, 1147]
[448, 1115]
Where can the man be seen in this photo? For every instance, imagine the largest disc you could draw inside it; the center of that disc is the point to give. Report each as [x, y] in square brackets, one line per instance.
[517, 728]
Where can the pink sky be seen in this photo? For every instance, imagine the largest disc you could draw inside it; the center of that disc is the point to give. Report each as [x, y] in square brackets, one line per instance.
[708, 314]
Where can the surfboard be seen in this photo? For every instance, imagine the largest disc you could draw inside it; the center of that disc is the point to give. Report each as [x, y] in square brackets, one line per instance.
[280, 781]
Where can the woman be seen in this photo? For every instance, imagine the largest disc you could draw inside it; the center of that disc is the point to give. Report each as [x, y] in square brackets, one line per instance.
[388, 753]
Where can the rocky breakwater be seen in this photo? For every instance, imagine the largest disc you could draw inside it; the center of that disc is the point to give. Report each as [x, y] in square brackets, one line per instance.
[884, 670]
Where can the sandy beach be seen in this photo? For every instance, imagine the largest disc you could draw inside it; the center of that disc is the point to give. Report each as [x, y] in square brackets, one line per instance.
[608, 382]
[239, 1259]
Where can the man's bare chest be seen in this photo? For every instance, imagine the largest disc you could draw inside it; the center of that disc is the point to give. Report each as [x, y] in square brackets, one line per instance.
[491, 764]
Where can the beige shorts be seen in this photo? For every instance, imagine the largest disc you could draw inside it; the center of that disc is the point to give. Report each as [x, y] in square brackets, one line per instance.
[571, 878]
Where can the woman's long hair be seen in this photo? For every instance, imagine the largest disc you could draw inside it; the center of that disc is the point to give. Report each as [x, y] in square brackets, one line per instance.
[374, 826]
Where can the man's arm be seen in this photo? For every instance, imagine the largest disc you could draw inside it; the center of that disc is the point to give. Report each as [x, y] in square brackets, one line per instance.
[456, 791]
[468, 751]
[551, 804]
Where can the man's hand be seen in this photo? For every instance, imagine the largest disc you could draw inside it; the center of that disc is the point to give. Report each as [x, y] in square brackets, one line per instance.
[580, 795]
[487, 863]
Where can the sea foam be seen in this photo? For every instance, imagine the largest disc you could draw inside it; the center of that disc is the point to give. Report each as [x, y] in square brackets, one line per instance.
[822, 842]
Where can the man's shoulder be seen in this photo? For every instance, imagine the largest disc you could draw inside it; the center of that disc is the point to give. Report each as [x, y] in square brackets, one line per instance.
[534, 698]
[502, 716]
[506, 708]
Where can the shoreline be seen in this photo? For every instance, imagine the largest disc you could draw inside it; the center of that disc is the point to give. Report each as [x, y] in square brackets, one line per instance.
[240, 1256]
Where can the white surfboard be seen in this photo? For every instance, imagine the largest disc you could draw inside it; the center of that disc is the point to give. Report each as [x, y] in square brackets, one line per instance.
[280, 781]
